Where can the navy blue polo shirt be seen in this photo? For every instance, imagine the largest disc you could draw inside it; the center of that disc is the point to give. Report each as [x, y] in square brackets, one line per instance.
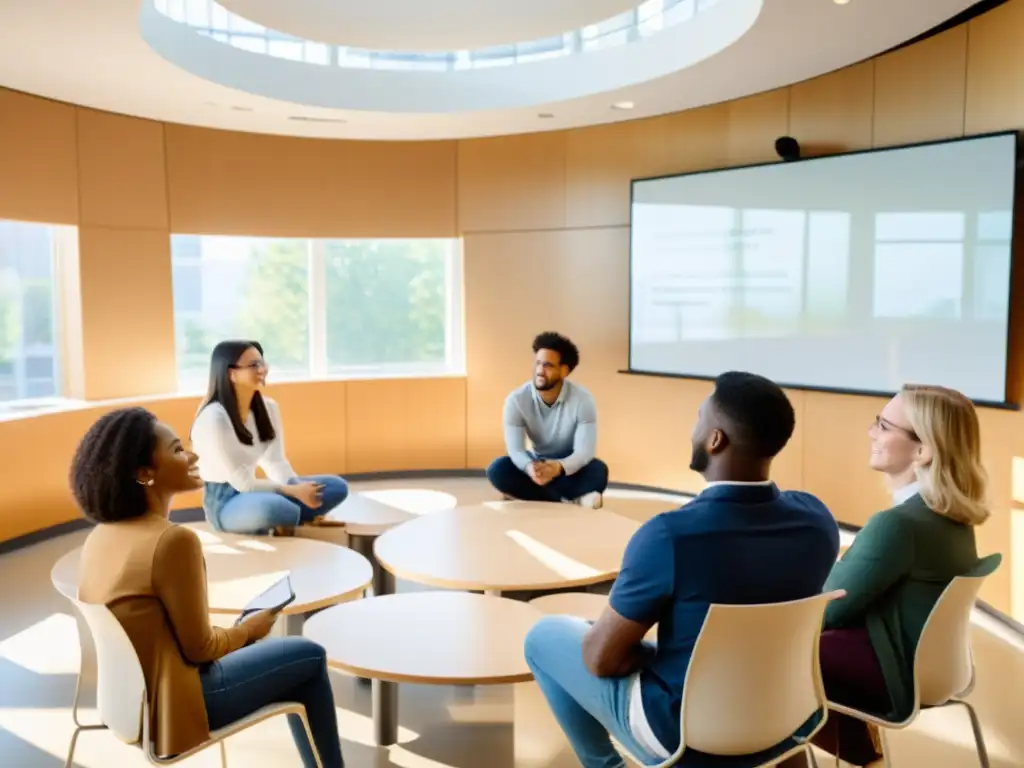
[733, 544]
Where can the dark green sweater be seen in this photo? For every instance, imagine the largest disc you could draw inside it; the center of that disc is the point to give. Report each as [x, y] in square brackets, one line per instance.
[893, 574]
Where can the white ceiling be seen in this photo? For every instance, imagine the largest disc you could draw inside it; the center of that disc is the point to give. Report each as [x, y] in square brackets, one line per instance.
[96, 54]
[426, 25]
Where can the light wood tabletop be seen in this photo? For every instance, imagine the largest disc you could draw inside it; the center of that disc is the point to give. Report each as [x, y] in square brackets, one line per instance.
[437, 638]
[240, 567]
[363, 515]
[583, 605]
[506, 546]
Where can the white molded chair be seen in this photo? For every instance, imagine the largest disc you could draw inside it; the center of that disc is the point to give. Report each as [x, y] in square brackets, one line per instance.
[944, 662]
[754, 679]
[121, 694]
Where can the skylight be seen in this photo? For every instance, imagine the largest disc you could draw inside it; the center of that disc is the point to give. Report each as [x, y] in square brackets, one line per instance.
[212, 20]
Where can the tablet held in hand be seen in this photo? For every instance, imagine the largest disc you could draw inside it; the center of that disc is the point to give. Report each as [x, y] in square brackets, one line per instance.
[274, 599]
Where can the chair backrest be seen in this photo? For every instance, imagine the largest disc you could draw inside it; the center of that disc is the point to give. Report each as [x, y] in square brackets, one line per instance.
[943, 664]
[121, 685]
[754, 677]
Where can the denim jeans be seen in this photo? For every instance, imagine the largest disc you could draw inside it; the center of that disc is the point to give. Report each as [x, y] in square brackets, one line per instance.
[588, 708]
[508, 479]
[275, 671]
[255, 512]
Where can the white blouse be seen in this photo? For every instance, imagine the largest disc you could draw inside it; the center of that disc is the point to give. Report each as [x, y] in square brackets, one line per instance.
[223, 458]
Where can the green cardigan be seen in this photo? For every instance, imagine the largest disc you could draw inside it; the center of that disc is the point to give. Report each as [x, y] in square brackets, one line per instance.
[894, 573]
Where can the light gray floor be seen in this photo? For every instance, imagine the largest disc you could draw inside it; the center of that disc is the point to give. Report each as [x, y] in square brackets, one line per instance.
[441, 727]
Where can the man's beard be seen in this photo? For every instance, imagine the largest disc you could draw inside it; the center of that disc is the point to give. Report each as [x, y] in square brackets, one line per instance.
[699, 458]
[545, 386]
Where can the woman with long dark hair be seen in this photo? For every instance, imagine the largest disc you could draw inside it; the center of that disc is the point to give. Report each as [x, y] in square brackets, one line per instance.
[150, 573]
[238, 429]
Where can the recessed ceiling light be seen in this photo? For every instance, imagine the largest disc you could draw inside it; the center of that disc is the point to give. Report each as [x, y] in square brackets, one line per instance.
[311, 119]
[623, 105]
[545, 115]
[840, 2]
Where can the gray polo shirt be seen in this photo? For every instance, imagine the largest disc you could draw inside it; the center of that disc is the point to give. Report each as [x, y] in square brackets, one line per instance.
[565, 430]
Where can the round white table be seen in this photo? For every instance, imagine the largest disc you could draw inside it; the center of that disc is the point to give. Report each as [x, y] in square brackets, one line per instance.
[439, 638]
[239, 568]
[363, 515]
[508, 546]
[364, 519]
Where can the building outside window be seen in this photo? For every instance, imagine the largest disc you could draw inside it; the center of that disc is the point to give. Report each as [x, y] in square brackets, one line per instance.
[30, 368]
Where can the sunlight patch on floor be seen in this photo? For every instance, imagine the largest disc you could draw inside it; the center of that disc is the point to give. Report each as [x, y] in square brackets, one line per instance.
[269, 743]
[403, 758]
[415, 501]
[48, 647]
[950, 726]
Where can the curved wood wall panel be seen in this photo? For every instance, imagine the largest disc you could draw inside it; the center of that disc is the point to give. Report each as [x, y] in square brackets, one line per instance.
[754, 124]
[38, 161]
[545, 221]
[512, 183]
[995, 70]
[222, 182]
[121, 171]
[920, 90]
[834, 113]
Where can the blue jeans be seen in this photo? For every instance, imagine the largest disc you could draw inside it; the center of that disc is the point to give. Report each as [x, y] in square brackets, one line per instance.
[588, 708]
[508, 479]
[257, 512]
[275, 671]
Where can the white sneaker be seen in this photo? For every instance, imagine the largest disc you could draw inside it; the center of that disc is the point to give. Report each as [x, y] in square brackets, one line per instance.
[592, 500]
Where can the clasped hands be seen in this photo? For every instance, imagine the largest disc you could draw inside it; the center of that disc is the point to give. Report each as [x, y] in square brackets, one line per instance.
[543, 472]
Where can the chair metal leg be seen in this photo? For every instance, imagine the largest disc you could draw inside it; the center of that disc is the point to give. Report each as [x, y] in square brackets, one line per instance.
[309, 737]
[979, 736]
[71, 749]
[70, 761]
[79, 725]
[223, 754]
[87, 669]
[74, 703]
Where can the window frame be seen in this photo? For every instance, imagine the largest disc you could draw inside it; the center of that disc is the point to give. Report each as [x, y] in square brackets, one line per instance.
[63, 252]
[320, 369]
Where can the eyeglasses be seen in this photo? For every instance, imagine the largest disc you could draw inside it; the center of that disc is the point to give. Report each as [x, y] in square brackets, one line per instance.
[887, 426]
[259, 365]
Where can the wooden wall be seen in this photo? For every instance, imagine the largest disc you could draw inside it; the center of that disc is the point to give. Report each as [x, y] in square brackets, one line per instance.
[545, 222]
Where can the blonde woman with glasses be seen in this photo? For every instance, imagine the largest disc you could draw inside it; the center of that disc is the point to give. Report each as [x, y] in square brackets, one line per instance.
[926, 443]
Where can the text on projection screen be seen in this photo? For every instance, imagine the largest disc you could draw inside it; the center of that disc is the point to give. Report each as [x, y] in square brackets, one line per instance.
[857, 272]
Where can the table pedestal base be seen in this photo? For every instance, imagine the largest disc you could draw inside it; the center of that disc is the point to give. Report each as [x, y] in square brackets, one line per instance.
[384, 705]
[383, 580]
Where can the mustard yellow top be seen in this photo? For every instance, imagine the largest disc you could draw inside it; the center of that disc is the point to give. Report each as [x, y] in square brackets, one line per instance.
[152, 575]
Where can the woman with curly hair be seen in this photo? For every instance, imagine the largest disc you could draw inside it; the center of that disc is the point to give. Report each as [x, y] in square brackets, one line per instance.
[151, 574]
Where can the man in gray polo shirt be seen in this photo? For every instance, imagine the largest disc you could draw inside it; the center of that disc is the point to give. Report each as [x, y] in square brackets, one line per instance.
[560, 420]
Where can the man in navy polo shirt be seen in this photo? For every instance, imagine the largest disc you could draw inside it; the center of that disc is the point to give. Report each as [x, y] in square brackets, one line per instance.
[741, 541]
